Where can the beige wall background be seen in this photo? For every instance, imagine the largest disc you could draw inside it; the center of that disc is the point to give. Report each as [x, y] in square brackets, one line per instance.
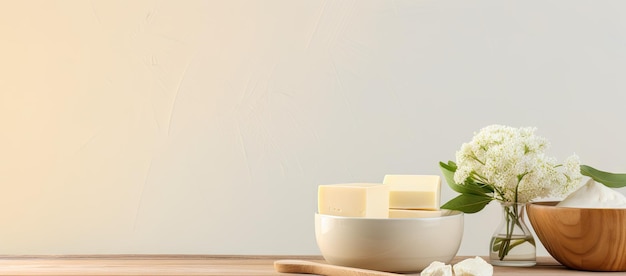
[204, 127]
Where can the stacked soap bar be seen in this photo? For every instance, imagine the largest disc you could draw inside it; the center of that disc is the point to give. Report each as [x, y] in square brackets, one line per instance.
[415, 196]
[399, 196]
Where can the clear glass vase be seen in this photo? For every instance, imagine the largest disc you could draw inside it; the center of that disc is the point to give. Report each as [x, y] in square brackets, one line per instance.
[512, 243]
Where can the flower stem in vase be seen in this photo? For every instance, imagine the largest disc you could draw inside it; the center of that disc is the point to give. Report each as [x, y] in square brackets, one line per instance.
[512, 244]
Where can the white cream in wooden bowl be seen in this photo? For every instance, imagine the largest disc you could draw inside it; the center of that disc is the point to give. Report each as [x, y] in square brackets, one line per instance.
[594, 195]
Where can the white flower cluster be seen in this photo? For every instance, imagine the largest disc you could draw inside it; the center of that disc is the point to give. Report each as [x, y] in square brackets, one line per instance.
[513, 162]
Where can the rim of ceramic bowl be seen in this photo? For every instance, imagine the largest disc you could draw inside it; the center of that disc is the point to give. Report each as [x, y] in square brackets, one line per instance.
[449, 214]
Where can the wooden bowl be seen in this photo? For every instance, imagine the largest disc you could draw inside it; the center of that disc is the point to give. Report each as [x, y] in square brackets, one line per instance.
[581, 238]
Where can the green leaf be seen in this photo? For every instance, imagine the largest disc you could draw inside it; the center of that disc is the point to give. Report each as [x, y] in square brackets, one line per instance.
[613, 180]
[448, 173]
[469, 187]
[485, 188]
[468, 203]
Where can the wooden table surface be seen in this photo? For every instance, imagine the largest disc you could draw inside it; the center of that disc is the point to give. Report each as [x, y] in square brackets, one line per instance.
[204, 265]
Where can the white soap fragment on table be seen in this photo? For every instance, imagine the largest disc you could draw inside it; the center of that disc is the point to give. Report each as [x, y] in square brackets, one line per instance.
[402, 213]
[437, 269]
[414, 191]
[473, 267]
[594, 195]
[354, 200]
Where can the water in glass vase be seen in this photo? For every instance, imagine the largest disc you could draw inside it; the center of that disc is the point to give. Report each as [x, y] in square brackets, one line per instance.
[520, 250]
[512, 244]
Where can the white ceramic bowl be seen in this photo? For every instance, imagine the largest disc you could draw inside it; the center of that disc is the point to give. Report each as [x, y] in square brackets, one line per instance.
[394, 245]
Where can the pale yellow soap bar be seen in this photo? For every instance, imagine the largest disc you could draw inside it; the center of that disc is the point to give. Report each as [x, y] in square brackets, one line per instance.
[403, 213]
[414, 191]
[354, 200]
